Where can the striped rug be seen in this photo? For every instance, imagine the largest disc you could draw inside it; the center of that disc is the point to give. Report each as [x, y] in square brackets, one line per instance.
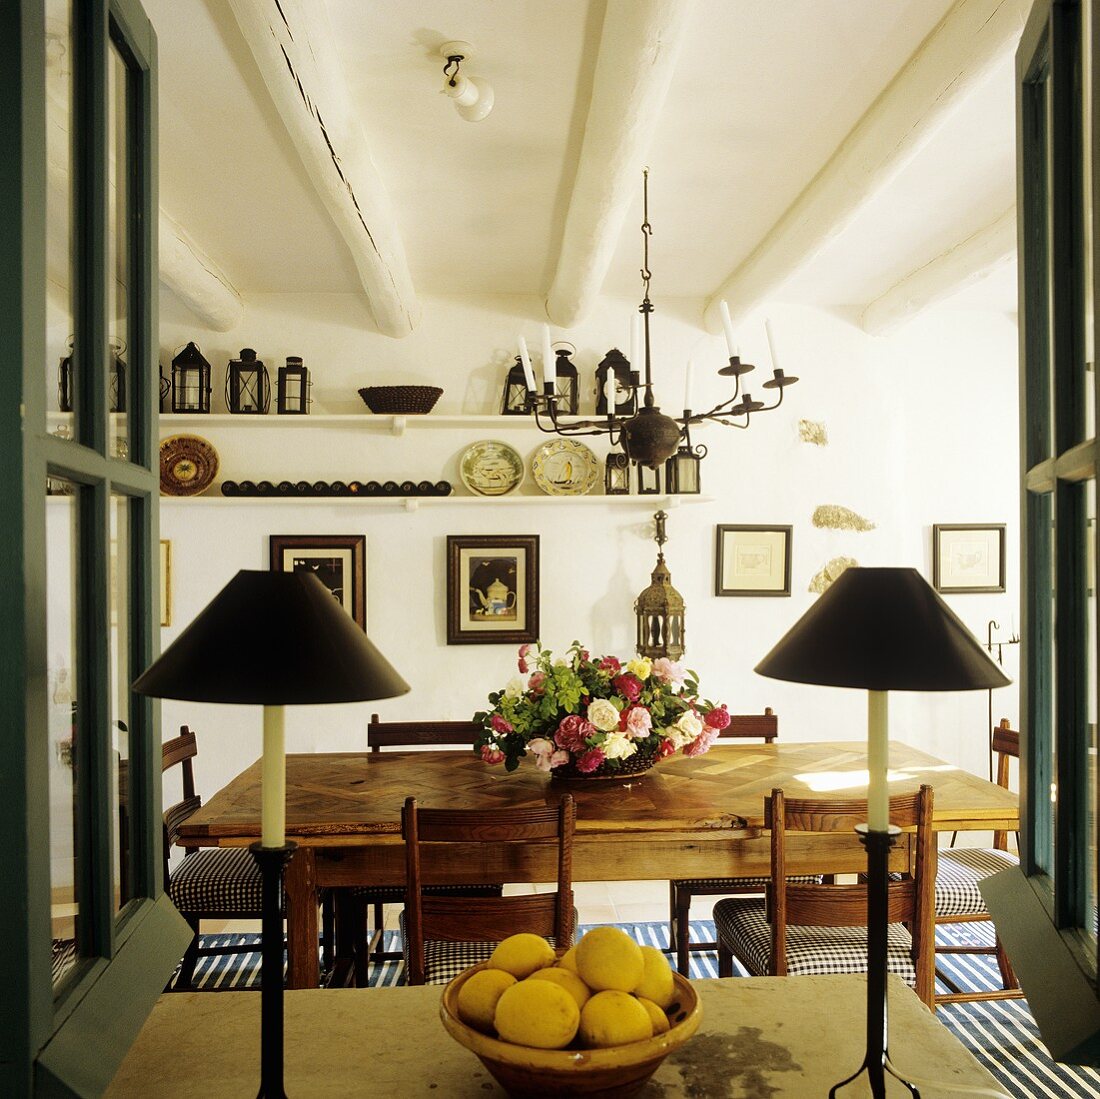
[1001, 1034]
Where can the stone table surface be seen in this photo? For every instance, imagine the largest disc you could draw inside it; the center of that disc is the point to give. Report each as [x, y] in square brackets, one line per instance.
[760, 1038]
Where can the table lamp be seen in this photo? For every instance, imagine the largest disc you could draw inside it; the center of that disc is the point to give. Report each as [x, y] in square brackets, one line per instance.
[880, 629]
[272, 639]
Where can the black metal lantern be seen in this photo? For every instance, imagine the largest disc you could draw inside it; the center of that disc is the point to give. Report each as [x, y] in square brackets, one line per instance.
[116, 380]
[626, 402]
[190, 381]
[616, 474]
[566, 384]
[659, 609]
[682, 469]
[516, 398]
[293, 397]
[165, 386]
[649, 480]
[247, 385]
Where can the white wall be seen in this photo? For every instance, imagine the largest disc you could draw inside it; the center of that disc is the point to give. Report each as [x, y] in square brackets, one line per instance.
[922, 428]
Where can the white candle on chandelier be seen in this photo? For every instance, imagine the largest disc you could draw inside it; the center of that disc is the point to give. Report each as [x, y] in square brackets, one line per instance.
[549, 374]
[771, 344]
[727, 327]
[609, 391]
[528, 374]
[687, 383]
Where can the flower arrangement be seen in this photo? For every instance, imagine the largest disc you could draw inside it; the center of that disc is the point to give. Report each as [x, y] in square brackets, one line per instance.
[586, 716]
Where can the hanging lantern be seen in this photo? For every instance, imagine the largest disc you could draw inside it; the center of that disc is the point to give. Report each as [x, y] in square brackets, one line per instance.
[247, 385]
[190, 381]
[659, 609]
[618, 365]
[649, 480]
[293, 397]
[566, 383]
[682, 469]
[516, 399]
[116, 380]
[616, 474]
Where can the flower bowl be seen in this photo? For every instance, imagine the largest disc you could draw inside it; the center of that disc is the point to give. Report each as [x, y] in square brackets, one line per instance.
[616, 1071]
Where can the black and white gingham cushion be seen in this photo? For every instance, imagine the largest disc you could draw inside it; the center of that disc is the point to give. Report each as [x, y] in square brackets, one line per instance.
[743, 883]
[957, 876]
[744, 929]
[395, 894]
[218, 880]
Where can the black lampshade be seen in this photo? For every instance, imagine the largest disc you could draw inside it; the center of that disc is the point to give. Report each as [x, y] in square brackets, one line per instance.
[272, 639]
[882, 630]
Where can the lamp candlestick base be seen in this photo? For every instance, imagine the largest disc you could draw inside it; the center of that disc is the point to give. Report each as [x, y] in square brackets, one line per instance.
[271, 861]
[876, 1062]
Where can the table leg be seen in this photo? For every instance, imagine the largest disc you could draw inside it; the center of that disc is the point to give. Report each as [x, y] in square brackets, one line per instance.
[303, 970]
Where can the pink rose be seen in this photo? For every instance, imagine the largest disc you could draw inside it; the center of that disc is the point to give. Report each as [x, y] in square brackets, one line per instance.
[701, 744]
[718, 718]
[542, 749]
[668, 671]
[572, 733]
[609, 664]
[589, 760]
[629, 686]
[491, 755]
[534, 684]
[522, 662]
[500, 725]
[666, 749]
[635, 722]
[559, 758]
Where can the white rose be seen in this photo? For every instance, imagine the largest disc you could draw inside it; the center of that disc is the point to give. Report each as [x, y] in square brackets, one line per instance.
[678, 737]
[690, 724]
[514, 687]
[616, 746]
[603, 715]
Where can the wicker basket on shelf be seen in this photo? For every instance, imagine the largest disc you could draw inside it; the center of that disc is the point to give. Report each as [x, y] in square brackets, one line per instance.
[400, 400]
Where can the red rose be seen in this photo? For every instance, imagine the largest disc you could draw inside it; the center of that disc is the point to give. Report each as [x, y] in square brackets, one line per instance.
[666, 749]
[609, 664]
[718, 718]
[534, 684]
[500, 725]
[572, 733]
[522, 661]
[590, 760]
[629, 686]
[491, 755]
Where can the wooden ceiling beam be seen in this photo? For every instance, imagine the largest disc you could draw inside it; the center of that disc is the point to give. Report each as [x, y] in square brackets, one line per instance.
[967, 262]
[973, 37]
[292, 43]
[195, 278]
[639, 45]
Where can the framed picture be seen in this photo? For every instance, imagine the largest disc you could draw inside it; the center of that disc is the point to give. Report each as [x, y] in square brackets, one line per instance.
[752, 560]
[492, 589]
[968, 557]
[165, 582]
[337, 560]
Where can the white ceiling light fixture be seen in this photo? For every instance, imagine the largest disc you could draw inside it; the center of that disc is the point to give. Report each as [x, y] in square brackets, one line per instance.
[473, 97]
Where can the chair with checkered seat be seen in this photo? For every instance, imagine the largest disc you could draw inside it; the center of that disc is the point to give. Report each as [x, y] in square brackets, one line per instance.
[820, 928]
[413, 735]
[958, 897]
[764, 727]
[444, 935]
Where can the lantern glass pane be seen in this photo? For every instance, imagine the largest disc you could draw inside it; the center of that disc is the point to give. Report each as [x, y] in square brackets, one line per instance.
[188, 389]
[118, 252]
[687, 473]
[649, 481]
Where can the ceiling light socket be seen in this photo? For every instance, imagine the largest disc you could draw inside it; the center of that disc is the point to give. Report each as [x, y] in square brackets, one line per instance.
[460, 50]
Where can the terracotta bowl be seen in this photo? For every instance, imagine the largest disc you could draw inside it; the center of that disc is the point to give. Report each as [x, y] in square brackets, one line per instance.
[613, 1073]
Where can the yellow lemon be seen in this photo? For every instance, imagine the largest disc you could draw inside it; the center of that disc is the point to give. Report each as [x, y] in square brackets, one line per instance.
[612, 1018]
[537, 1013]
[522, 954]
[567, 979]
[656, 983]
[569, 960]
[608, 958]
[477, 998]
[656, 1016]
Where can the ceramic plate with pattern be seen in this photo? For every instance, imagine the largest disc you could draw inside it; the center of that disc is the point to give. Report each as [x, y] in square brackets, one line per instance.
[564, 467]
[491, 468]
[188, 465]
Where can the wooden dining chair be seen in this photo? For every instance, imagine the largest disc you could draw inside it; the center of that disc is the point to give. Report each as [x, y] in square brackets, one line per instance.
[764, 727]
[959, 898]
[444, 935]
[414, 735]
[821, 928]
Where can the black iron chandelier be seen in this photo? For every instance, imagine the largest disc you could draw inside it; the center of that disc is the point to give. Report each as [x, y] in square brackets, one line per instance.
[648, 436]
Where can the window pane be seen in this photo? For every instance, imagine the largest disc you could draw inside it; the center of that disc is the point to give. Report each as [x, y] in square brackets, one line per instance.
[118, 267]
[1042, 678]
[61, 621]
[1089, 763]
[121, 573]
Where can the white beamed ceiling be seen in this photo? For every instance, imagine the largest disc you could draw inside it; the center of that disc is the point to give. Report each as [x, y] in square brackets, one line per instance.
[762, 95]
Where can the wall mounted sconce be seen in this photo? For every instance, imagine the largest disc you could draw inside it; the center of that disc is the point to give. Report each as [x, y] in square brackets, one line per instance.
[473, 97]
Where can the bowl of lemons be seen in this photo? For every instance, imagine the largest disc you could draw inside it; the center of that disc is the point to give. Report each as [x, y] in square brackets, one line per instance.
[597, 1020]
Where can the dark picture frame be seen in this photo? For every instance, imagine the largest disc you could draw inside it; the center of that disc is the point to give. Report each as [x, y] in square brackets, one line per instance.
[492, 589]
[752, 559]
[338, 561]
[968, 557]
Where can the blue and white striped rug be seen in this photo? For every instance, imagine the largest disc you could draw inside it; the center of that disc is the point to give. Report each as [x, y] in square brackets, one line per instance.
[1001, 1034]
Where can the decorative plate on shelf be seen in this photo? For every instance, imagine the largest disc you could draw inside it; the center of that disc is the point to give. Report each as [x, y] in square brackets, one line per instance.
[491, 468]
[564, 467]
[188, 465]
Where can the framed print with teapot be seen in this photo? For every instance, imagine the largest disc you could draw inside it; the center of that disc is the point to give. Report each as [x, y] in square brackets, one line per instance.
[492, 589]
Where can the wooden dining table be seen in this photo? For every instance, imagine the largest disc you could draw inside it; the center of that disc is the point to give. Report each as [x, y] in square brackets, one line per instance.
[687, 817]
